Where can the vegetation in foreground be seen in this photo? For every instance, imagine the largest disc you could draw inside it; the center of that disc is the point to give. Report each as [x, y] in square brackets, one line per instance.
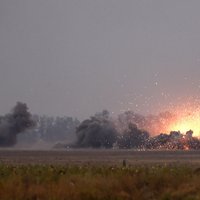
[99, 182]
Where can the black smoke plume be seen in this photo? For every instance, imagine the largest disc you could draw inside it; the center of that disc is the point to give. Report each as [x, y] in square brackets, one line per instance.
[127, 132]
[97, 132]
[17, 121]
[133, 138]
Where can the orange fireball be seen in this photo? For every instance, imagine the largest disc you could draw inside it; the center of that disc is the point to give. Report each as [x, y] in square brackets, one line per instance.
[187, 117]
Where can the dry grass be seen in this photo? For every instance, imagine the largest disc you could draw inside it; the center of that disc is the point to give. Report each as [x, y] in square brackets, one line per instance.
[99, 182]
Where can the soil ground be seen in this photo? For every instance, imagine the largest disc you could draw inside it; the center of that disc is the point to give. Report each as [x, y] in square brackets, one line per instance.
[103, 157]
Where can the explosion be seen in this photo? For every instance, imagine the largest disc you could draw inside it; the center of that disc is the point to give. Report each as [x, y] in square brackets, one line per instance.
[185, 117]
[181, 119]
[172, 130]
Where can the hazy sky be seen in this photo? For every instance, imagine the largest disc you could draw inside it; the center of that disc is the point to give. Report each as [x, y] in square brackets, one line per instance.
[69, 57]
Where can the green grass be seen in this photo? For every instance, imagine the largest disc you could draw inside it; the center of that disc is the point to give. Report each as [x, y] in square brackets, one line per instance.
[99, 182]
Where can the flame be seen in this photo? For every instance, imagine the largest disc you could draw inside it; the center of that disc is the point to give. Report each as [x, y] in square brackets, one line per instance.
[182, 116]
[186, 117]
[185, 124]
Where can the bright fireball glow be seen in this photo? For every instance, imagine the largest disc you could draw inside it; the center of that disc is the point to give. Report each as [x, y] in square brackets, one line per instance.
[181, 117]
[186, 117]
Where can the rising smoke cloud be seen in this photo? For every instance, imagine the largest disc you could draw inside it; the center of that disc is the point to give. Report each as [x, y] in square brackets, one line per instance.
[17, 121]
[98, 131]
[132, 130]
[154, 124]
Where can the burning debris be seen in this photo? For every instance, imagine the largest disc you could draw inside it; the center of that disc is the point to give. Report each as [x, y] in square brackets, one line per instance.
[174, 141]
[128, 131]
[14, 123]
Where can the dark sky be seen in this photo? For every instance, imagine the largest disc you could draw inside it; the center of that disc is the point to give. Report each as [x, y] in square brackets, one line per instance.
[69, 57]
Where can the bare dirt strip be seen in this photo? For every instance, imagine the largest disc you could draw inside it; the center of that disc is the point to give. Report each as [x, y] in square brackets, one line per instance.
[104, 157]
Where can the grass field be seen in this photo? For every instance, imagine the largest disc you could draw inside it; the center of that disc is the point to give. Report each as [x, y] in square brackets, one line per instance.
[163, 179]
